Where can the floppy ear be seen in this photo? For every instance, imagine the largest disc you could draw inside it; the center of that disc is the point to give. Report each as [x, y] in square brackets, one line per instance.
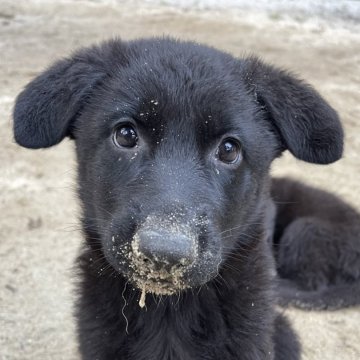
[307, 125]
[45, 110]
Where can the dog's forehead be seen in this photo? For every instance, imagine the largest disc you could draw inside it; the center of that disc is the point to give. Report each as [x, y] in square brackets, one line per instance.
[191, 87]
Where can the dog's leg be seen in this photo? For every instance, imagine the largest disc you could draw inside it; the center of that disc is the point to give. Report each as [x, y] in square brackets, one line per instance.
[329, 298]
[324, 272]
[316, 246]
[300, 253]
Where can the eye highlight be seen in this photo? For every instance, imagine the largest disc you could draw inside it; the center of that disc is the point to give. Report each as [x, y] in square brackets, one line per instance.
[229, 151]
[125, 136]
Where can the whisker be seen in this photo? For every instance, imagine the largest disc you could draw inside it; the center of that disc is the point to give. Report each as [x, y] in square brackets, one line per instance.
[240, 226]
[123, 308]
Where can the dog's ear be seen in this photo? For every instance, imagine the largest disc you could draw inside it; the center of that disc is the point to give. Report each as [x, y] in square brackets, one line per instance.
[45, 110]
[307, 125]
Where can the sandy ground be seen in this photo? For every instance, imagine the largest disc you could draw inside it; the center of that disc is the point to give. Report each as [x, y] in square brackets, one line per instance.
[39, 236]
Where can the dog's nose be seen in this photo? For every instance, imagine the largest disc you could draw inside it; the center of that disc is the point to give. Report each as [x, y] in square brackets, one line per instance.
[165, 248]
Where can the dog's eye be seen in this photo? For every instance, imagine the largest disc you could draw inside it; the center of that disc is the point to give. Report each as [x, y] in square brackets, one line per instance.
[229, 151]
[125, 136]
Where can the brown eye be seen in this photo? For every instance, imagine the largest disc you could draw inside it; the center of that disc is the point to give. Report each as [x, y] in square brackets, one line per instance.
[125, 136]
[229, 151]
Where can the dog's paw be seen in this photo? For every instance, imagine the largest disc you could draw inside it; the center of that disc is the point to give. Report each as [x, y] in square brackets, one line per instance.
[288, 294]
[300, 254]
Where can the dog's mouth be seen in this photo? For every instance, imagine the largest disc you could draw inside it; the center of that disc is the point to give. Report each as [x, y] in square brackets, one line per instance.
[150, 277]
[159, 282]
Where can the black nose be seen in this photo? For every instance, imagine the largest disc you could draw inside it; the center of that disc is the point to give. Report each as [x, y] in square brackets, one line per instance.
[165, 248]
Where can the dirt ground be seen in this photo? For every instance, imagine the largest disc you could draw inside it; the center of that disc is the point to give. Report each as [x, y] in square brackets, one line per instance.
[39, 230]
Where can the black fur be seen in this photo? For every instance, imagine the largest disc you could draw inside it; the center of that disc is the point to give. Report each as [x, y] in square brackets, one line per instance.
[317, 247]
[183, 99]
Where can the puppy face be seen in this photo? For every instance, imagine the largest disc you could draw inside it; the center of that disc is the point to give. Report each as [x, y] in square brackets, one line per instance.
[168, 164]
[174, 142]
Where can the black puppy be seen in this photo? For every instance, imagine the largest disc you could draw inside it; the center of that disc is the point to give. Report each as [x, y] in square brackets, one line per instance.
[174, 143]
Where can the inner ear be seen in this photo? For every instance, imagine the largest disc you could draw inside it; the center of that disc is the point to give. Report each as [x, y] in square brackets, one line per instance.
[307, 125]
